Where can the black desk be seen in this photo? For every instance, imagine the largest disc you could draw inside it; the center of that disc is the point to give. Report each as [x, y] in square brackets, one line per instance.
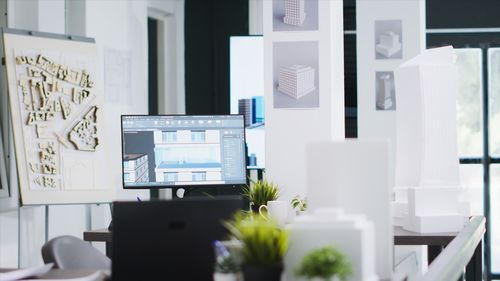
[435, 243]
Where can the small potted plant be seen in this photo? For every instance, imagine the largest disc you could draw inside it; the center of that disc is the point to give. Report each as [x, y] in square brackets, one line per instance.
[226, 267]
[259, 192]
[324, 264]
[264, 246]
[299, 205]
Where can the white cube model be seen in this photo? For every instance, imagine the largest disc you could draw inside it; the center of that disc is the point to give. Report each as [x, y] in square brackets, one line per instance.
[296, 80]
[388, 44]
[295, 12]
[356, 176]
[353, 235]
[384, 97]
[427, 162]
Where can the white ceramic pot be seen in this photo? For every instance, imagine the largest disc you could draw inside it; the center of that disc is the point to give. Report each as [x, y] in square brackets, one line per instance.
[225, 276]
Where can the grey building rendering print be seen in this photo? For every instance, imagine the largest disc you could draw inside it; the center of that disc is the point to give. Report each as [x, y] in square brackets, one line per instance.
[295, 15]
[295, 72]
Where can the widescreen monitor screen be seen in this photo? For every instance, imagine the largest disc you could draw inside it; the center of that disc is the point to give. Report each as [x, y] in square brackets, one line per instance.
[183, 150]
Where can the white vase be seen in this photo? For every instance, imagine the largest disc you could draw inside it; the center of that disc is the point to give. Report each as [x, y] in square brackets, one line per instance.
[225, 276]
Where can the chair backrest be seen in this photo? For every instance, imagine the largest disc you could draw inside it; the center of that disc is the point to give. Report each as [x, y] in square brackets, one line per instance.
[69, 252]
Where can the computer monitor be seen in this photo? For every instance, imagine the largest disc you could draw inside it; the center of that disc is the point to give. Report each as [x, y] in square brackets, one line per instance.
[183, 151]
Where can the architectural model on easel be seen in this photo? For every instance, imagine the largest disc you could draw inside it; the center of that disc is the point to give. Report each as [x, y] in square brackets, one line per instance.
[296, 81]
[389, 44]
[295, 12]
[427, 178]
[56, 103]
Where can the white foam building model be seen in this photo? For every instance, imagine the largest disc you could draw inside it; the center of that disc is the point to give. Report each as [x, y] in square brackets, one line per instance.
[295, 12]
[296, 81]
[353, 235]
[356, 176]
[388, 44]
[384, 97]
[428, 191]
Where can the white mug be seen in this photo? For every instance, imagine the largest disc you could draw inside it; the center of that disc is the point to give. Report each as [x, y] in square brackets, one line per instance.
[276, 210]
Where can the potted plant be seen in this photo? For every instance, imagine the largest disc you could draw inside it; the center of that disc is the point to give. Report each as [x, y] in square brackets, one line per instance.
[326, 264]
[264, 246]
[226, 267]
[259, 192]
[299, 205]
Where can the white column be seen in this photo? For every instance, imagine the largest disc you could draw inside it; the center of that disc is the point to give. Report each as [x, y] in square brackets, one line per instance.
[318, 115]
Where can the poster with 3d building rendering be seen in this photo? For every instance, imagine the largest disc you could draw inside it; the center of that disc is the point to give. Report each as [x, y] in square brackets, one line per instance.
[295, 74]
[56, 101]
[295, 15]
[388, 39]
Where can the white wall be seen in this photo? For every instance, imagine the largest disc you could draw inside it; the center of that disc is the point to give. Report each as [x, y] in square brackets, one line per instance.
[117, 25]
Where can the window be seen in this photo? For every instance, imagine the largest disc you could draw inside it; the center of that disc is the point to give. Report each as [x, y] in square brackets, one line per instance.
[197, 136]
[199, 176]
[126, 177]
[169, 137]
[171, 176]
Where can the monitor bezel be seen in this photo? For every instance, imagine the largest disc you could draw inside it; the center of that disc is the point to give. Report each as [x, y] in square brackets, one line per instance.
[177, 186]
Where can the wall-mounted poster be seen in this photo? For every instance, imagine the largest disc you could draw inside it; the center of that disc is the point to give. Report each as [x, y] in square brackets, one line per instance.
[295, 70]
[388, 39]
[295, 15]
[385, 94]
[56, 101]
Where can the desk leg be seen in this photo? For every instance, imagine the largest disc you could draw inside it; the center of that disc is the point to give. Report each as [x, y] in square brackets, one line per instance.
[433, 252]
[108, 249]
[474, 269]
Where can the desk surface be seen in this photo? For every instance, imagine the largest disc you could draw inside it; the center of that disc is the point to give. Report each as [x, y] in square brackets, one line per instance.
[55, 274]
[401, 237]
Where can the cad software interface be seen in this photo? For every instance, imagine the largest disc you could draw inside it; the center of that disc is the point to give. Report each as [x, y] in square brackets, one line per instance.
[183, 150]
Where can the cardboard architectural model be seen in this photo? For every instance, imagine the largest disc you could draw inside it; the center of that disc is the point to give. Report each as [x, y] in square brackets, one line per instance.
[427, 163]
[389, 44]
[384, 90]
[55, 95]
[295, 13]
[296, 81]
[353, 235]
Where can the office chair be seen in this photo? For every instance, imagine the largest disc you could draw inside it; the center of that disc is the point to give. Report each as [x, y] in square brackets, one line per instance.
[69, 252]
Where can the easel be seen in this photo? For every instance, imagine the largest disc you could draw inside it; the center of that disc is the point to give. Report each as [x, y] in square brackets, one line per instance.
[13, 176]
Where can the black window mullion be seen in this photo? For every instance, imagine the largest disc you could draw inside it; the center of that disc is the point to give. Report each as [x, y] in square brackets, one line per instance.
[486, 163]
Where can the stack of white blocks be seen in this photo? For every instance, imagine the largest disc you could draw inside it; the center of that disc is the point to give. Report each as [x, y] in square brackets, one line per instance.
[296, 80]
[427, 163]
[353, 235]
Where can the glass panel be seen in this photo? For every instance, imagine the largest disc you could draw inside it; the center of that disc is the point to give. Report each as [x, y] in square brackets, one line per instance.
[494, 99]
[495, 217]
[471, 178]
[470, 87]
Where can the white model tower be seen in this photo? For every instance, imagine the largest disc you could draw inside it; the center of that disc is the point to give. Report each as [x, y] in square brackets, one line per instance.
[295, 13]
[384, 100]
[296, 80]
[389, 44]
[427, 165]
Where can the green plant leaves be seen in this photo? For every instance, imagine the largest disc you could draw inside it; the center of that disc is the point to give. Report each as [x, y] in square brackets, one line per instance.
[260, 192]
[325, 263]
[264, 242]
